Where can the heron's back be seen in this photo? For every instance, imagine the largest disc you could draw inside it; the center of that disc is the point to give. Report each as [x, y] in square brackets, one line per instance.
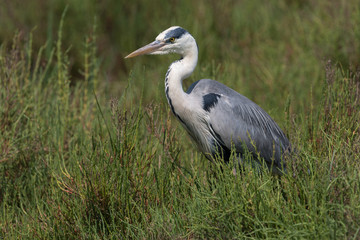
[236, 120]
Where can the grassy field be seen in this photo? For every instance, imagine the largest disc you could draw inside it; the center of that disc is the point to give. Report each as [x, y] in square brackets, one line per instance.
[89, 148]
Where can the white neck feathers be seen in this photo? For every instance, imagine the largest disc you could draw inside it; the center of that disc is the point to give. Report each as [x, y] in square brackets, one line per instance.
[177, 72]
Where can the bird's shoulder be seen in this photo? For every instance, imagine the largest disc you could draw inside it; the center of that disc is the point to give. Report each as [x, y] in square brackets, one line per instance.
[213, 93]
[205, 86]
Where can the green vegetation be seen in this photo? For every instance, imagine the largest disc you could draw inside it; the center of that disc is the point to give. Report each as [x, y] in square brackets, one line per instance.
[90, 150]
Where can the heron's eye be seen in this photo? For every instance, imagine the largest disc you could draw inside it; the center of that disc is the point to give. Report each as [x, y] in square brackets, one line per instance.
[172, 39]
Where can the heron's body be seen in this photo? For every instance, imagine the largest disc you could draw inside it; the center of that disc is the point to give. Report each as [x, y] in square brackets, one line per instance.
[216, 117]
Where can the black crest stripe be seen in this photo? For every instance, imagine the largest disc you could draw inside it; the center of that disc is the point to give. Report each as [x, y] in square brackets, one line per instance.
[176, 33]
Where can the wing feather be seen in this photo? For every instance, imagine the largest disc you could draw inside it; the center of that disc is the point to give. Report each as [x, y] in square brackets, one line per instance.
[237, 120]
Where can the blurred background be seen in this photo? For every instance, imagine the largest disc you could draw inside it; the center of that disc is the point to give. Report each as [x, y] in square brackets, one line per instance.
[89, 148]
[275, 47]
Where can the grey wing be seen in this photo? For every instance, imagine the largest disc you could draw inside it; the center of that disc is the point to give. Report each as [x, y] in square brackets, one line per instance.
[236, 120]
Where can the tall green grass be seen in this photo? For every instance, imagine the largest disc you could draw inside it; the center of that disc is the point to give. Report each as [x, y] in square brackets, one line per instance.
[85, 157]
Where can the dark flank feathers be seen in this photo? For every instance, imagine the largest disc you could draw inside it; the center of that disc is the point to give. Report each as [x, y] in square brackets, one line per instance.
[210, 101]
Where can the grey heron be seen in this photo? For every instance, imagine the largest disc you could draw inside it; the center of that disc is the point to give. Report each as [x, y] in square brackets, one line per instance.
[216, 117]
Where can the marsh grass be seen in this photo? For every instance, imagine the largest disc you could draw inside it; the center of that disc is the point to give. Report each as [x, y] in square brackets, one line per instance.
[78, 163]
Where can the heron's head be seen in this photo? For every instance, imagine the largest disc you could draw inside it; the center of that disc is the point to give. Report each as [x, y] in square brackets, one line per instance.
[172, 40]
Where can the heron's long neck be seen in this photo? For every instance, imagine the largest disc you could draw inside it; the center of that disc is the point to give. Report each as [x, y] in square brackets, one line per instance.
[177, 72]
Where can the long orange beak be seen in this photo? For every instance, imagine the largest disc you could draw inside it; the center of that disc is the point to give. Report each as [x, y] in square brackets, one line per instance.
[151, 47]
